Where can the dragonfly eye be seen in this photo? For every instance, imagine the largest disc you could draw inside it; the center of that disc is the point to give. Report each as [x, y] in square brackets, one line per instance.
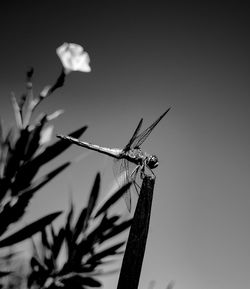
[152, 162]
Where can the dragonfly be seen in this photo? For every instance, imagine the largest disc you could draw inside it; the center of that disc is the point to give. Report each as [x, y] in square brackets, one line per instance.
[131, 153]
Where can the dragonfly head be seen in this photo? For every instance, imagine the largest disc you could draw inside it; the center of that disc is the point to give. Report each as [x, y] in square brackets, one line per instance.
[152, 162]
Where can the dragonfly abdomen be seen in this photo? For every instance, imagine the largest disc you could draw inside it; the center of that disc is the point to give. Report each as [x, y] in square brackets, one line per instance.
[114, 152]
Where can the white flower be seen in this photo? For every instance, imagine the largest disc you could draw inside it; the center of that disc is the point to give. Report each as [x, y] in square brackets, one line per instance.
[46, 135]
[73, 58]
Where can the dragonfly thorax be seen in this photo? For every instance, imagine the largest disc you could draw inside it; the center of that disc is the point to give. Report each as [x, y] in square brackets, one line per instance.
[152, 161]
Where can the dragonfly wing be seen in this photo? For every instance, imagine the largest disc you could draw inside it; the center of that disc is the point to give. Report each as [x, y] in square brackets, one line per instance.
[122, 176]
[118, 168]
[138, 140]
[128, 146]
[127, 195]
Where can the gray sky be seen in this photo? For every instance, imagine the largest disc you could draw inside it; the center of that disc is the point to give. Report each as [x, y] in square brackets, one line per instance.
[193, 57]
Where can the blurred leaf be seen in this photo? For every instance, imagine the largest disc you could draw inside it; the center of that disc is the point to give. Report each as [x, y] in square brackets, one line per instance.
[46, 135]
[38, 274]
[16, 155]
[28, 230]
[79, 224]
[17, 111]
[35, 262]
[29, 73]
[57, 243]
[105, 253]
[82, 222]
[33, 142]
[6, 146]
[1, 132]
[86, 245]
[105, 225]
[55, 114]
[11, 213]
[105, 230]
[94, 195]
[78, 280]
[114, 198]
[44, 238]
[117, 230]
[92, 199]
[53, 234]
[104, 273]
[70, 216]
[4, 273]
[30, 168]
[22, 102]
[26, 187]
[34, 248]
[87, 281]
[69, 231]
[48, 177]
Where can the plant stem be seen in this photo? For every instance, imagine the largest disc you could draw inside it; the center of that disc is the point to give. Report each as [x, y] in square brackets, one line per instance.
[135, 249]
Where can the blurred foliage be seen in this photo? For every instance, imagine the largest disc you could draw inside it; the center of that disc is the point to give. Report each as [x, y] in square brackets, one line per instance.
[74, 255]
[82, 240]
[24, 150]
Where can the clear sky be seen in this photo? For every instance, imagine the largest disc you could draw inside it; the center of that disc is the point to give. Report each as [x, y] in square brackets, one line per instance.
[191, 56]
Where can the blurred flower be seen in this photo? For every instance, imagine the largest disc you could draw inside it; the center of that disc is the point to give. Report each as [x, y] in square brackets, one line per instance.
[73, 58]
[46, 135]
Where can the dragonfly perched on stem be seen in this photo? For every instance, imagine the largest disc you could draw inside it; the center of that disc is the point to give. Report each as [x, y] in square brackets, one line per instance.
[131, 153]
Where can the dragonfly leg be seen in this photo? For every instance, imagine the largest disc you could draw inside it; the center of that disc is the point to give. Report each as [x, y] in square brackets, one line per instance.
[152, 172]
[134, 172]
[143, 166]
[133, 177]
[137, 187]
[143, 174]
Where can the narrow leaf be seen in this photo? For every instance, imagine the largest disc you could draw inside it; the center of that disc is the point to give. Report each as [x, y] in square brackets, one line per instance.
[52, 151]
[78, 281]
[91, 282]
[34, 139]
[117, 230]
[26, 187]
[80, 223]
[29, 230]
[11, 213]
[4, 273]
[57, 243]
[16, 154]
[1, 132]
[105, 253]
[17, 111]
[92, 199]
[44, 239]
[68, 229]
[94, 194]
